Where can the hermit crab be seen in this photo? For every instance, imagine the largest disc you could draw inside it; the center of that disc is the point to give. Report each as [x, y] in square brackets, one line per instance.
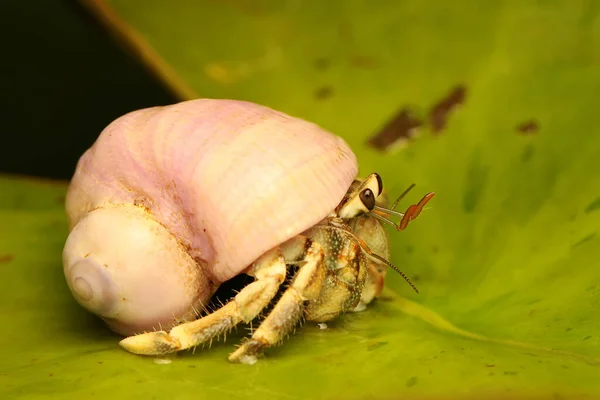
[170, 202]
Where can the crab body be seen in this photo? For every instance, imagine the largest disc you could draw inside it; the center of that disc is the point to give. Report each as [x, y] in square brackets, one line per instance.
[337, 271]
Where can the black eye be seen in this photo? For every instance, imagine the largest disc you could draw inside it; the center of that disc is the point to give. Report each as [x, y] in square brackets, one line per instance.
[367, 198]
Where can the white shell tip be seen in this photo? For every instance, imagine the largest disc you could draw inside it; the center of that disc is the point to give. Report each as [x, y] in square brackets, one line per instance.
[92, 286]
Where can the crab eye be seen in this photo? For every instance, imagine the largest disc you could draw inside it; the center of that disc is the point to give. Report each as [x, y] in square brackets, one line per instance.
[367, 198]
[361, 199]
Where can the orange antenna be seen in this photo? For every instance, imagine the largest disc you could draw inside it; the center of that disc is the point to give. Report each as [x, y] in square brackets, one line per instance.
[382, 213]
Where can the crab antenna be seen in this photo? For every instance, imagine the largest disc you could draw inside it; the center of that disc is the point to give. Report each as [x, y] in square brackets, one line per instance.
[388, 211]
[402, 196]
[414, 210]
[392, 266]
[411, 213]
[383, 219]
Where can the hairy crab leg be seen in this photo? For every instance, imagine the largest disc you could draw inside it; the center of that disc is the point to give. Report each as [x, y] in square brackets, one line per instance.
[306, 286]
[269, 271]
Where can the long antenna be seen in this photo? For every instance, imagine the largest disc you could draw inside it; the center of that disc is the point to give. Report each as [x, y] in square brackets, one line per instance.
[389, 264]
[402, 196]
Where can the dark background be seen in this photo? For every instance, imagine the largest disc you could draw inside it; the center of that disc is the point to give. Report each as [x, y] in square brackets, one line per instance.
[63, 79]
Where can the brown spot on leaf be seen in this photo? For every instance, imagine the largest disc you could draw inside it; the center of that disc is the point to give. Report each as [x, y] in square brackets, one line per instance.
[438, 116]
[403, 127]
[324, 93]
[490, 365]
[528, 127]
[6, 258]
[365, 62]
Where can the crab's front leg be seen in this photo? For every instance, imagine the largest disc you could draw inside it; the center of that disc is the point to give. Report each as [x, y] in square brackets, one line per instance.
[269, 271]
[305, 286]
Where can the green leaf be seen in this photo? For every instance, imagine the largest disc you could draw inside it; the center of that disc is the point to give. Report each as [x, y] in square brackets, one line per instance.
[505, 255]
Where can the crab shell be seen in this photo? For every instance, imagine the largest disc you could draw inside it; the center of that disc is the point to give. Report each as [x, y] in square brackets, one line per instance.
[172, 201]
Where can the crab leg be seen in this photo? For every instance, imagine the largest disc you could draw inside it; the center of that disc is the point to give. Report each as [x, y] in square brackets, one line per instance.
[269, 271]
[305, 286]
